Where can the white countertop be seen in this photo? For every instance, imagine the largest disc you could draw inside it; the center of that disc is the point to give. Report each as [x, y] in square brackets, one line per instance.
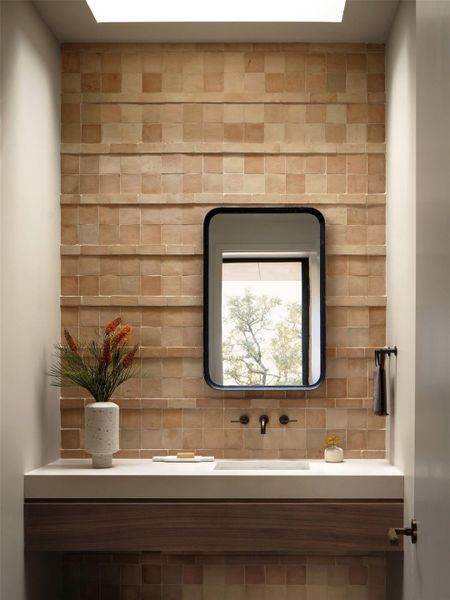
[131, 479]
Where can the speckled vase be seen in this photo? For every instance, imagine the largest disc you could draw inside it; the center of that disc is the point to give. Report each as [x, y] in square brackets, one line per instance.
[101, 432]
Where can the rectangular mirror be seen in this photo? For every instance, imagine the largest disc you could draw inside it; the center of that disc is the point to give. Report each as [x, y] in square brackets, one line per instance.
[264, 298]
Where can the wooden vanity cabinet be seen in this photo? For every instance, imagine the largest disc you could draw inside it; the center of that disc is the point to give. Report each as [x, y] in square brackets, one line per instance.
[310, 527]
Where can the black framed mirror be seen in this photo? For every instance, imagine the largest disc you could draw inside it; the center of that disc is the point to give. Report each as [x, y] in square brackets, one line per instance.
[264, 298]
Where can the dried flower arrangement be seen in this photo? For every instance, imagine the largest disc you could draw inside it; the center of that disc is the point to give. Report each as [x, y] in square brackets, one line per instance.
[99, 366]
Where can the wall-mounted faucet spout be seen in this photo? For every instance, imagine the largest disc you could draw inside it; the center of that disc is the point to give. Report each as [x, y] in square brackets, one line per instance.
[263, 420]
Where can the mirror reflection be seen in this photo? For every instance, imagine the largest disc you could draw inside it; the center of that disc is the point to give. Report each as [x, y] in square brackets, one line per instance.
[264, 320]
[264, 288]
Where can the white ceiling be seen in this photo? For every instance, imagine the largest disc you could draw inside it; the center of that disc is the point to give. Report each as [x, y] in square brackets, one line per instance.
[364, 21]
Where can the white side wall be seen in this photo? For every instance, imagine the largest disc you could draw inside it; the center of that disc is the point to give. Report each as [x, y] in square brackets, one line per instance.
[401, 247]
[432, 484]
[30, 315]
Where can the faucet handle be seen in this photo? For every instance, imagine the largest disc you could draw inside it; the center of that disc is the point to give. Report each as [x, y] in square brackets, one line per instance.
[243, 420]
[284, 420]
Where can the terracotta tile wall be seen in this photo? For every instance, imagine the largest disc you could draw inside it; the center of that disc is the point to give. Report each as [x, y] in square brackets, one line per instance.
[150, 576]
[155, 136]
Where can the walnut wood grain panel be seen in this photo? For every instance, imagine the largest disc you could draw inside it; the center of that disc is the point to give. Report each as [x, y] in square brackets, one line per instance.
[288, 527]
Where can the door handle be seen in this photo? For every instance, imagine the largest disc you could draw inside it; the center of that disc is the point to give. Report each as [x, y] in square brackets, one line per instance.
[394, 533]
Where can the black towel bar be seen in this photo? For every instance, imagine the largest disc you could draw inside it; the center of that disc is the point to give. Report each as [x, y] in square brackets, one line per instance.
[387, 351]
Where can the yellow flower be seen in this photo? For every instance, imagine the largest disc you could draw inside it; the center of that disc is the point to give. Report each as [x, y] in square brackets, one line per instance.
[331, 440]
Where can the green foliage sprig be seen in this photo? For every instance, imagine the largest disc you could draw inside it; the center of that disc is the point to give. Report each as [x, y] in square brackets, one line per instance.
[99, 366]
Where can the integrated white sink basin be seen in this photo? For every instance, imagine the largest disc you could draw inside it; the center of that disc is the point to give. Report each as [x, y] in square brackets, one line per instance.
[265, 465]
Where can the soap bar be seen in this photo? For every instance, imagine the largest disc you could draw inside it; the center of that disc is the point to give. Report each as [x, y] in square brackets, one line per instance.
[185, 454]
[176, 459]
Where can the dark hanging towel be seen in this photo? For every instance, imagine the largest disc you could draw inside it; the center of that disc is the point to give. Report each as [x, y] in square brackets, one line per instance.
[379, 385]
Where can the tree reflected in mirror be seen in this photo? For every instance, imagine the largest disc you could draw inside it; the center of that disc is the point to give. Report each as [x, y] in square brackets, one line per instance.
[263, 340]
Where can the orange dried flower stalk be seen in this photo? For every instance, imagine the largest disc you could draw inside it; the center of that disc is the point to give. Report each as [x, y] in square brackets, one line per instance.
[113, 325]
[70, 341]
[127, 361]
[107, 356]
[122, 336]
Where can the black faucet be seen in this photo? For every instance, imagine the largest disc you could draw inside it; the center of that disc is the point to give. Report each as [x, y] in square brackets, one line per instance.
[263, 420]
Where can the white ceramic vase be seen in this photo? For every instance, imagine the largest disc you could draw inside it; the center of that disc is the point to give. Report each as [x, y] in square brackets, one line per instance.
[101, 432]
[333, 454]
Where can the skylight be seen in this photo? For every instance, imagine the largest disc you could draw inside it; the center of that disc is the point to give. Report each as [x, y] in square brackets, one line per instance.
[226, 11]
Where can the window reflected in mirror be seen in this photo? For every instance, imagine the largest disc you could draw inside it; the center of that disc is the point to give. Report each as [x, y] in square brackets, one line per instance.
[265, 320]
